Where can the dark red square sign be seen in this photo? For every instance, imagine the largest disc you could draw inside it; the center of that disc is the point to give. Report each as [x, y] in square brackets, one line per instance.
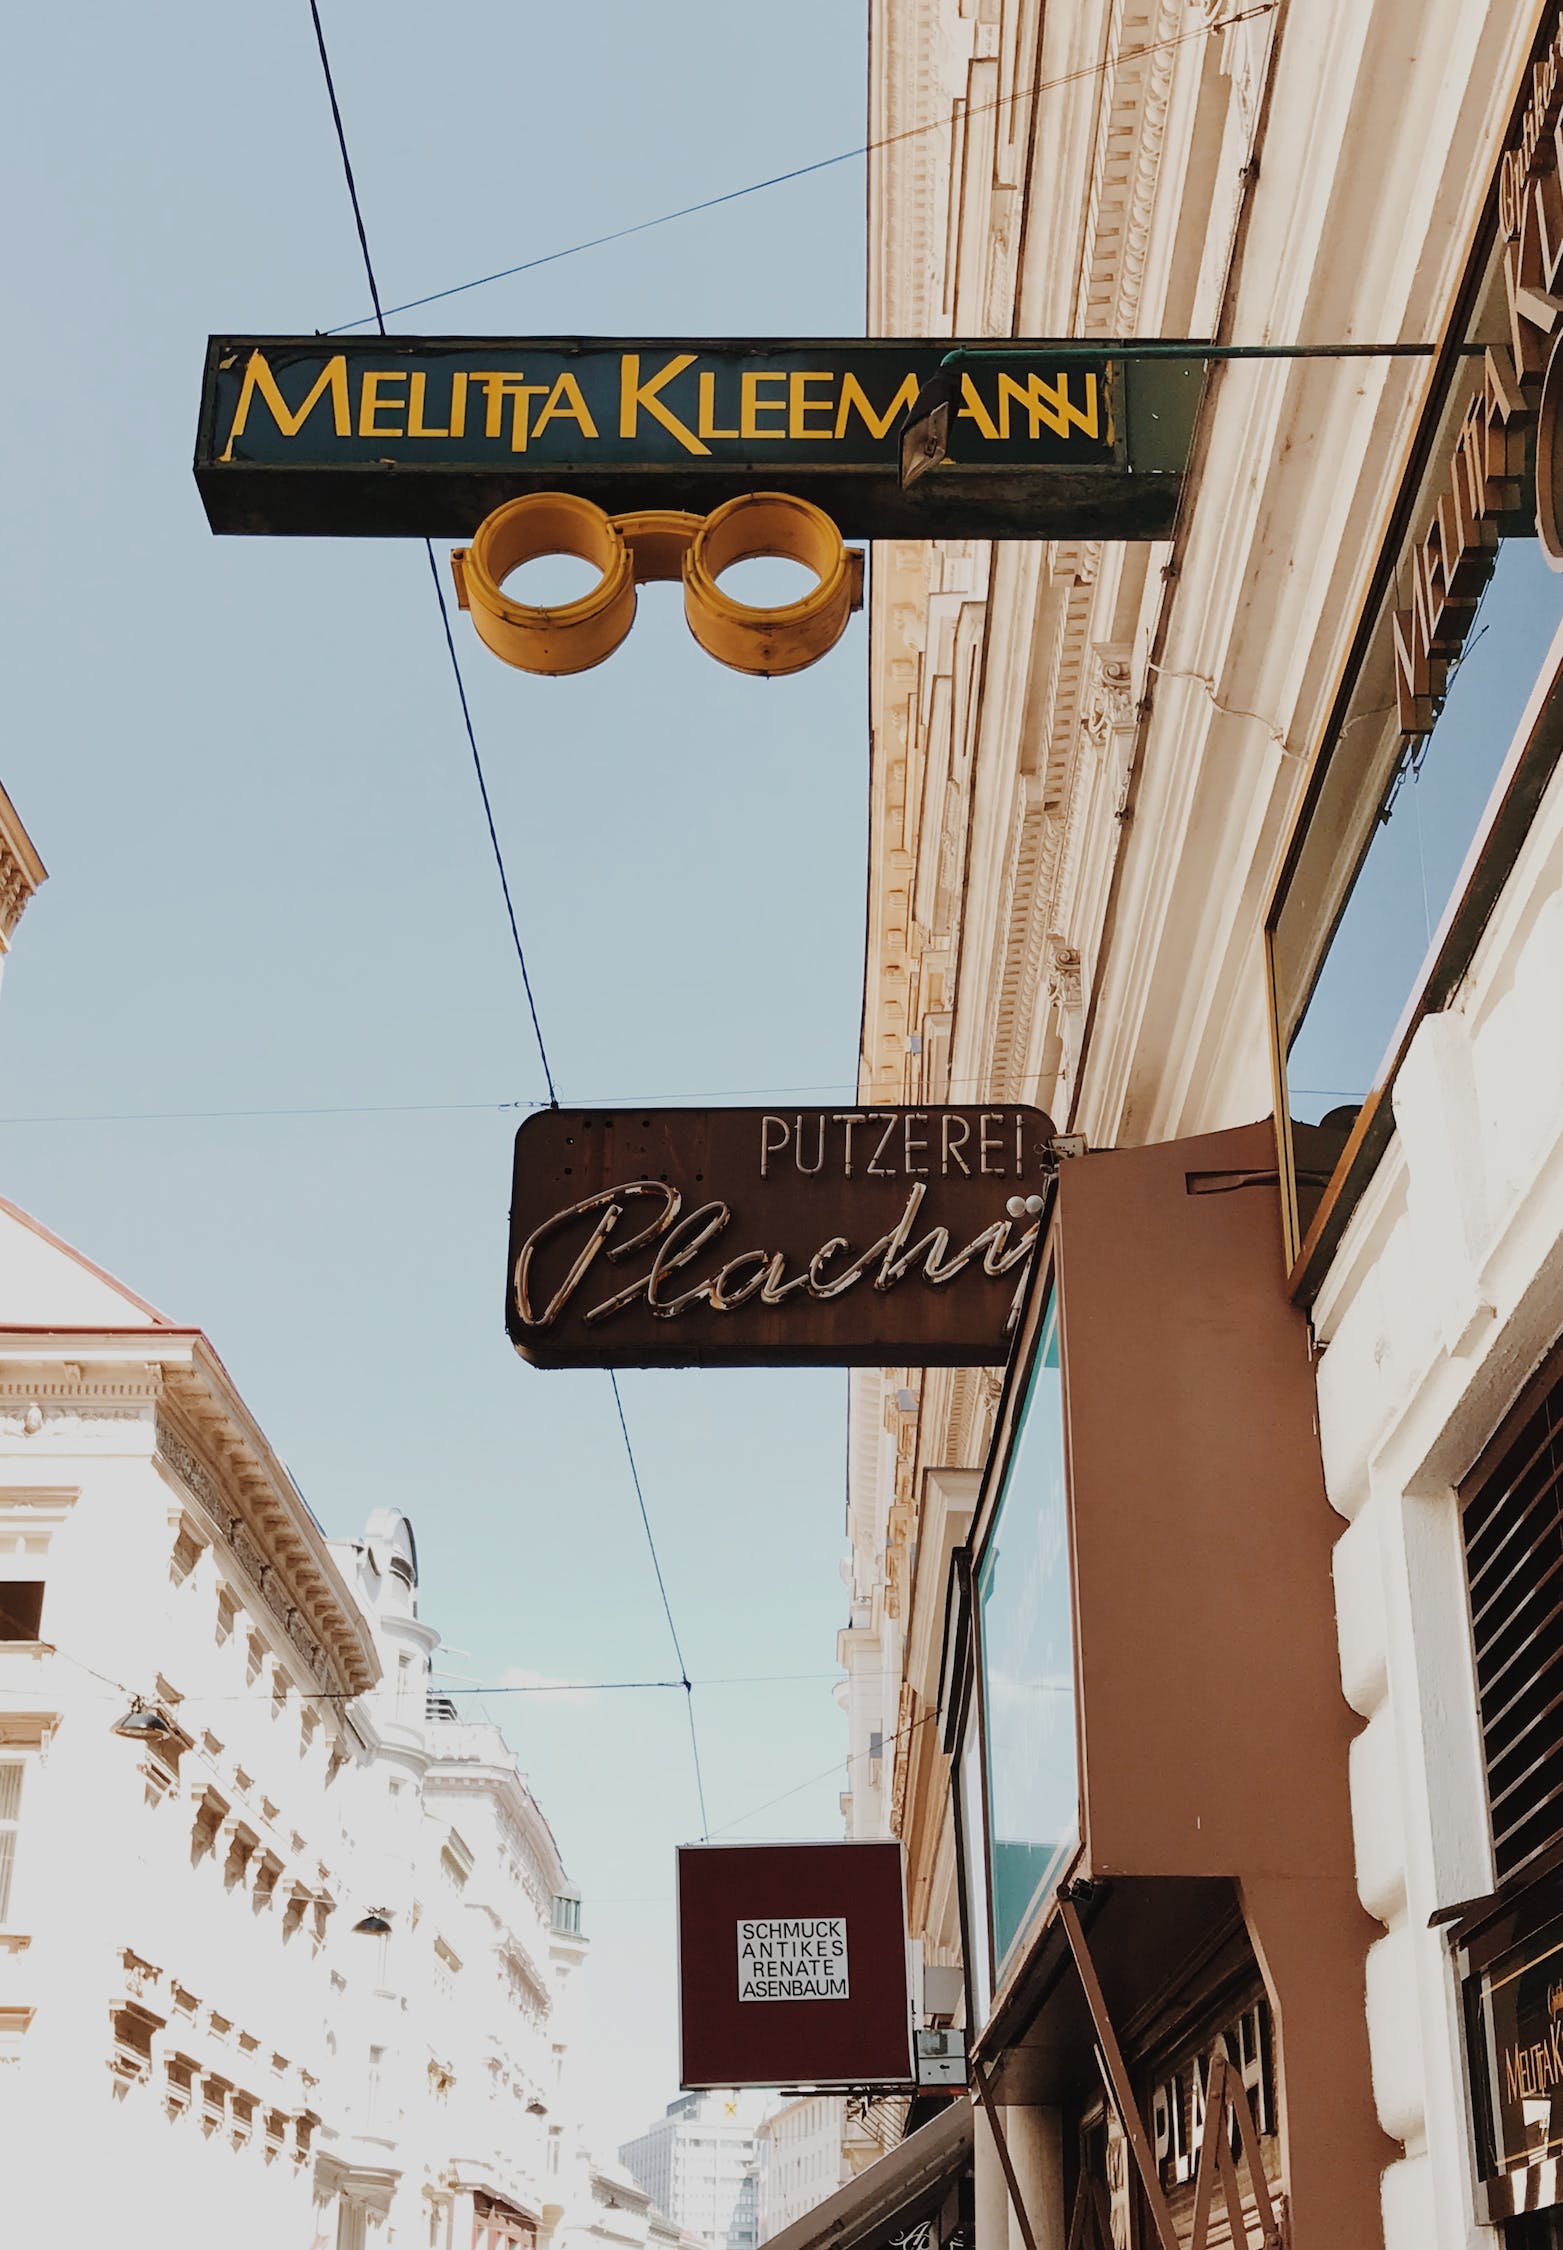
[792, 1965]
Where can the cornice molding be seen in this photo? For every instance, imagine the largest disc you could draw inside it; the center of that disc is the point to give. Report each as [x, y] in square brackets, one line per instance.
[63, 1392]
[21, 870]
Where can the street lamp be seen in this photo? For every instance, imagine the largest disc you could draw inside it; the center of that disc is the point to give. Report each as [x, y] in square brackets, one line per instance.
[141, 1724]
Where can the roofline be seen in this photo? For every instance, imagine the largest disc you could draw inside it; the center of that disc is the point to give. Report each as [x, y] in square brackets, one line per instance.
[58, 1242]
[15, 836]
[333, 1612]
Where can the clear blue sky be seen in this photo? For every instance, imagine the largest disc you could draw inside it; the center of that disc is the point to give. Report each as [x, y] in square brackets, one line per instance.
[271, 886]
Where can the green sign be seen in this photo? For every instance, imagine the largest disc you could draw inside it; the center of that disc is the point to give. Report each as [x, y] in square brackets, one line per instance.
[425, 436]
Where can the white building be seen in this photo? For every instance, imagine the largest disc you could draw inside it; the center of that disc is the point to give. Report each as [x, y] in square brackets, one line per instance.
[287, 1950]
[170, 1902]
[451, 2058]
[700, 2163]
[809, 2147]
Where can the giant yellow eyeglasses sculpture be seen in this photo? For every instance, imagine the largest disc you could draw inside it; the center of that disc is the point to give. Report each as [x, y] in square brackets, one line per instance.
[658, 543]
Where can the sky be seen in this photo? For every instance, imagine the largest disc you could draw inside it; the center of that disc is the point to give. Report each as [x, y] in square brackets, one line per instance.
[269, 981]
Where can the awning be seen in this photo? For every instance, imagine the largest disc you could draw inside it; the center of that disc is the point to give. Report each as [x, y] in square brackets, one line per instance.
[893, 2194]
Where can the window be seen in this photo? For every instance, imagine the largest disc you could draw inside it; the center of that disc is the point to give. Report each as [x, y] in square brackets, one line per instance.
[1025, 1645]
[1513, 1522]
[10, 1817]
[567, 1913]
[1438, 748]
[21, 1608]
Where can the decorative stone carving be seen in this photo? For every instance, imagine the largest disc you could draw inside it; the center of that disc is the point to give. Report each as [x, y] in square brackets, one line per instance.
[1063, 976]
[198, 1480]
[1109, 696]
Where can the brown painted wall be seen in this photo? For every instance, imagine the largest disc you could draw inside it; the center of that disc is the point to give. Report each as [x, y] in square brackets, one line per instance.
[1214, 1734]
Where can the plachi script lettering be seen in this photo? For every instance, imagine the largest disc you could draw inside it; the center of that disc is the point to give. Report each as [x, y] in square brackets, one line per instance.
[670, 1241]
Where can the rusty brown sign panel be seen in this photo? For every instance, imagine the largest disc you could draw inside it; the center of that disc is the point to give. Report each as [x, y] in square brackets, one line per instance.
[773, 1238]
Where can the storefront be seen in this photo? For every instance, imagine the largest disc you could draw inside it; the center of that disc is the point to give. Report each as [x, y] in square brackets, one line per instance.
[1164, 1945]
[1448, 719]
[1414, 948]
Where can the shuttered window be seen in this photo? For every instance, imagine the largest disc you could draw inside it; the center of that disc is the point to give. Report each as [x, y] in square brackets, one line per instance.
[1513, 1512]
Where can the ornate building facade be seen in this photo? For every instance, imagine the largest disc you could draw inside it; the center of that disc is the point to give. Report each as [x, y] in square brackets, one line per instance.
[1256, 823]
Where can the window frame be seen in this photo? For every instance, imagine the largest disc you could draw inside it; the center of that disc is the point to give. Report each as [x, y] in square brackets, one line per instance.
[1499, 835]
[962, 1685]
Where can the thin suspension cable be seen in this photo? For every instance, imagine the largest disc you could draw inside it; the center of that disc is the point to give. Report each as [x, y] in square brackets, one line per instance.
[347, 167]
[428, 548]
[802, 171]
[488, 815]
[384, 1687]
[853, 1758]
[466, 712]
[667, 1607]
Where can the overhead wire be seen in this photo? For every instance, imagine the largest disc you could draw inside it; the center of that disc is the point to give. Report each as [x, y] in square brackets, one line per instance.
[428, 548]
[499, 861]
[798, 171]
[810, 1781]
[840, 1086]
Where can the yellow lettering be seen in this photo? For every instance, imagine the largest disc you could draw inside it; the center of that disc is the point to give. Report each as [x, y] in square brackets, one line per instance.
[707, 422]
[565, 403]
[496, 388]
[1043, 403]
[853, 396]
[751, 406]
[634, 394]
[416, 426]
[973, 409]
[800, 406]
[370, 404]
[258, 378]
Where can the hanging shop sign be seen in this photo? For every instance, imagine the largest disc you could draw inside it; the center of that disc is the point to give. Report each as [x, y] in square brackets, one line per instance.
[792, 1965]
[1514, 2041]
[772, 1238]
[423, 436]
[1506, 474]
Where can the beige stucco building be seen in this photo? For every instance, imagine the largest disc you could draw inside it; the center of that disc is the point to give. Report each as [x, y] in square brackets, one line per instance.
[1261, 819]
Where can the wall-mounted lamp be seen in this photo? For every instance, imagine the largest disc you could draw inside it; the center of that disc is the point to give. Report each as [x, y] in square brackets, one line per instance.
[374, 1924]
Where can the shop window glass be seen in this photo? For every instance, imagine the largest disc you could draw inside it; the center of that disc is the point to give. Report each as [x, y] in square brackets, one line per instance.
[1027, 1658]
[1431, 810]
[1386, 839]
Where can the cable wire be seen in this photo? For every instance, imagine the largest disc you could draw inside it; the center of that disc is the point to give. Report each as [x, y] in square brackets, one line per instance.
[347, 167]
[428, 548]
[798, 172]
[667, 1609]
[488, 814]
[466, 713]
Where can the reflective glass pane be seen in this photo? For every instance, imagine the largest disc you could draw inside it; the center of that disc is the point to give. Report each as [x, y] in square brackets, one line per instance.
[1418, 845]
[1027, 1651]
